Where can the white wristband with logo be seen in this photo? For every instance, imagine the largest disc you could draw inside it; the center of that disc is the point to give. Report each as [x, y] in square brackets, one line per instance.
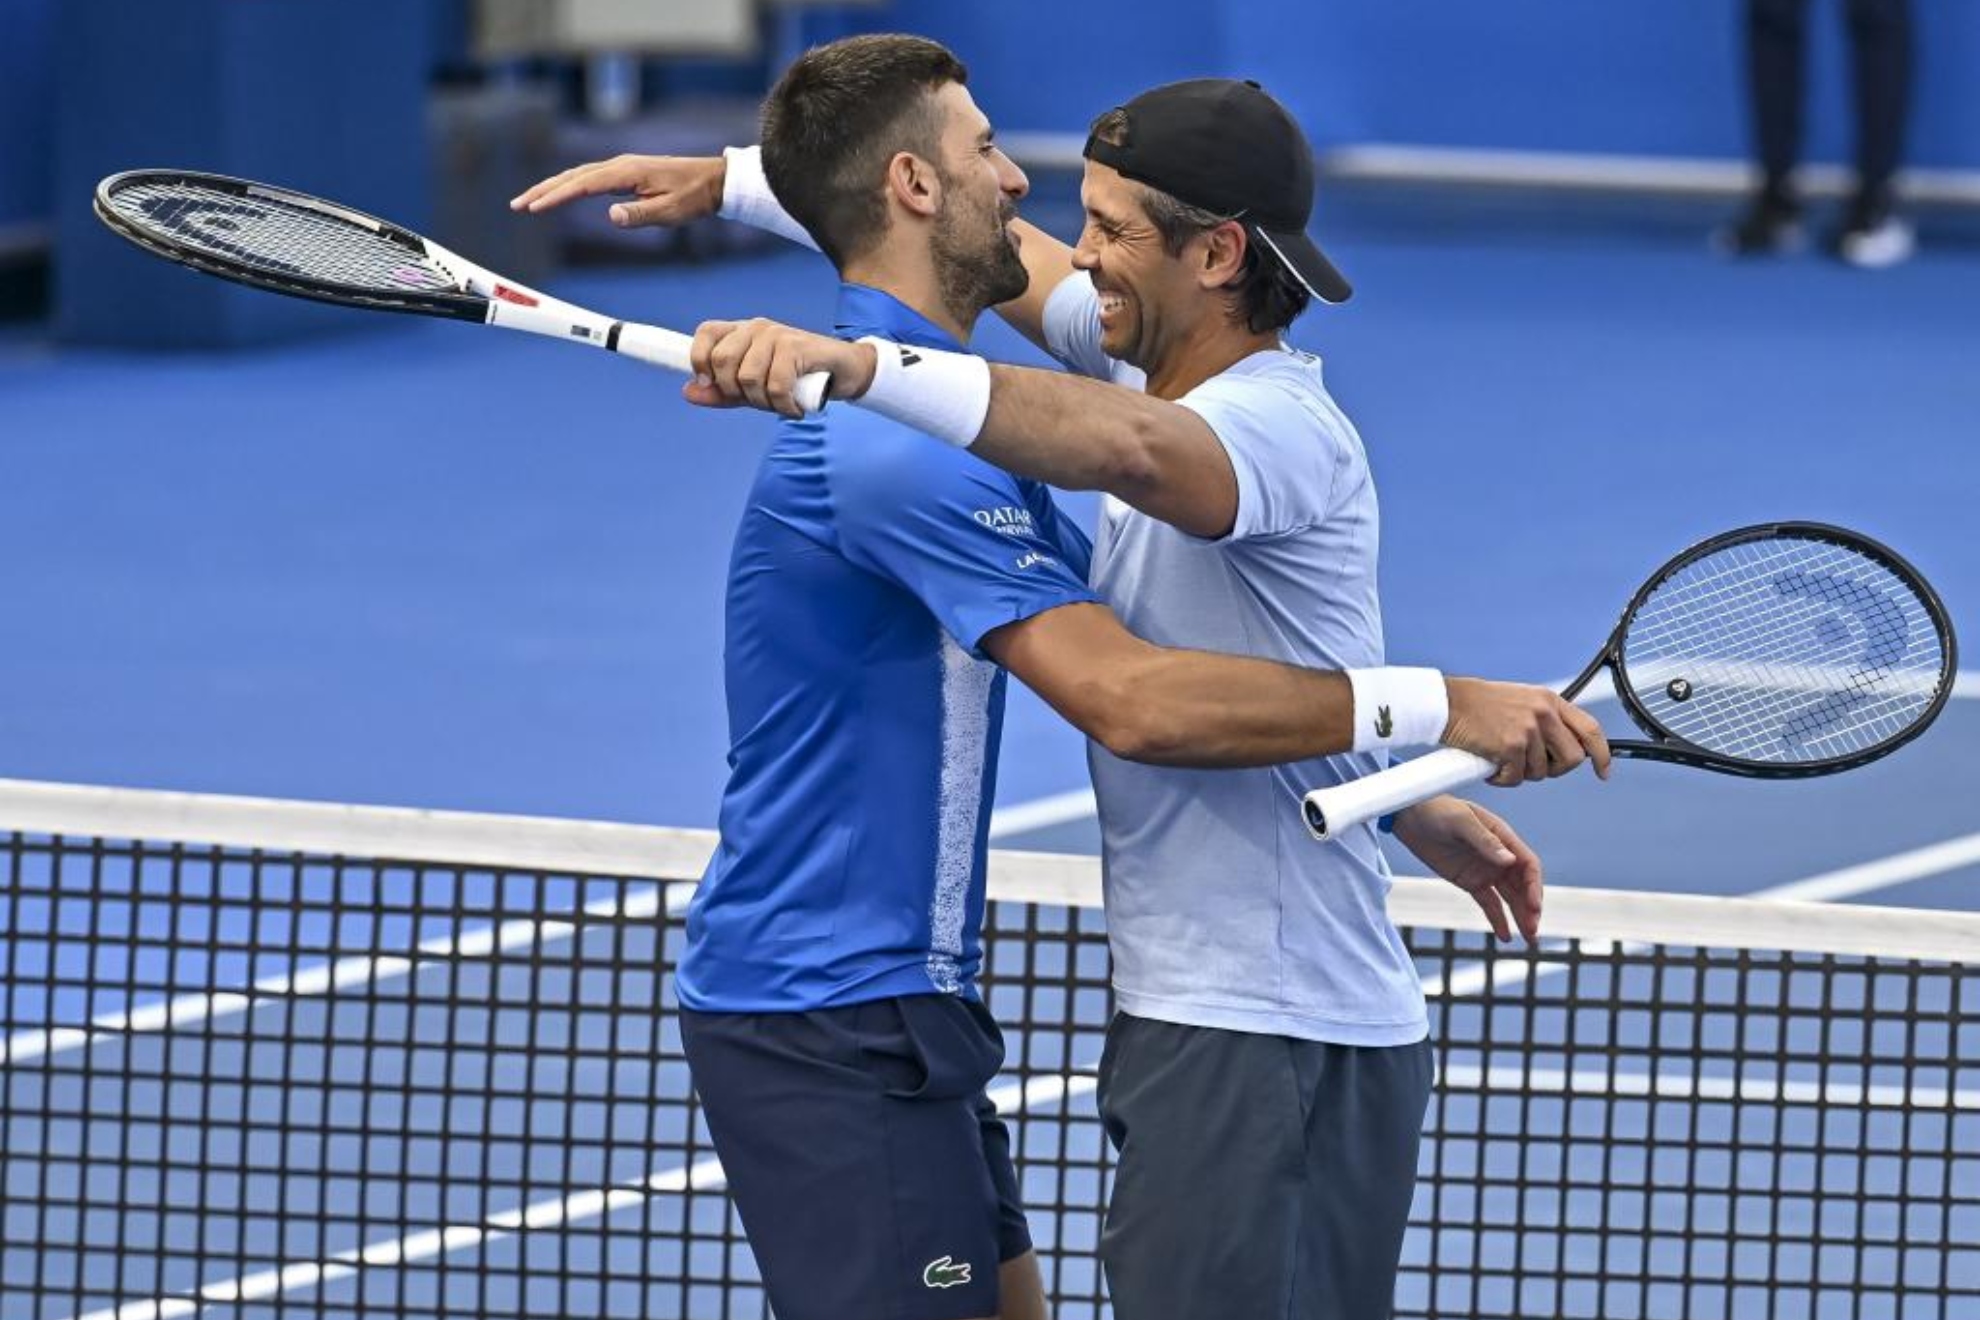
[747, 199]
[944, 395]
[1398, 707]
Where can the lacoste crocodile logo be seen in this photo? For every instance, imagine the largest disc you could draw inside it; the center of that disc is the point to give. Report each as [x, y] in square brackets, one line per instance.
[943, 1272]
[1384, 726]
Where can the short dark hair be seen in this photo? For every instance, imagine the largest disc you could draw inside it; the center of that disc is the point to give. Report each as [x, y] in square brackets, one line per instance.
[836, 118]
[1265, 295]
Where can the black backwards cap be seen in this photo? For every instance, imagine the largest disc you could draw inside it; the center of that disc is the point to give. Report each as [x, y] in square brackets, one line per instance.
[1226, 146]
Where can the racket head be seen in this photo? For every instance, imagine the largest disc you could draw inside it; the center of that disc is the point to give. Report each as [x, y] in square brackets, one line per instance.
[282, 241]
[1783, 650]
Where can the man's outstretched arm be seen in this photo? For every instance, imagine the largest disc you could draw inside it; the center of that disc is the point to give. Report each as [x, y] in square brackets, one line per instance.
[1165, 706]
[678, 190]
[1048, 261]
[1064, 430]
[1191, 708]
[671, 190]
[661, 190]
[1155, 456]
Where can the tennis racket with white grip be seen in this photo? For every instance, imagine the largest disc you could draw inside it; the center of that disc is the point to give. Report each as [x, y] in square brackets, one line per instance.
[291, 243]
[1776, 652]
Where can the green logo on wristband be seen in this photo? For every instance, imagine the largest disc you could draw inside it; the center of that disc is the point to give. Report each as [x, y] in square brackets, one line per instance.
[1384, 726]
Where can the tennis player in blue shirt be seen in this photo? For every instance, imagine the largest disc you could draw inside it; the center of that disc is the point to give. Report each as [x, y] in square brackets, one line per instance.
[880, 586]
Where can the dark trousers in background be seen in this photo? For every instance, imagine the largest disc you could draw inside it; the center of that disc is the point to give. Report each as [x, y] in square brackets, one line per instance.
[1880, 41]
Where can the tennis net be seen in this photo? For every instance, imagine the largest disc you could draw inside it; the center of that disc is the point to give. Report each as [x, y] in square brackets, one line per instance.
[266, 1058]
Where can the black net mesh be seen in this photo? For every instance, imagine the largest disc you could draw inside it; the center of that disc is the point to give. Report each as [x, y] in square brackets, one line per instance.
[244, 1083]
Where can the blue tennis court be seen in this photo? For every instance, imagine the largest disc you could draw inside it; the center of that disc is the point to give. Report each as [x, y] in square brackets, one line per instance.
[271, 1058]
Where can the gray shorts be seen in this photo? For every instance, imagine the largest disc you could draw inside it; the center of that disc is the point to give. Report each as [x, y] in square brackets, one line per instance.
[1259, 1177]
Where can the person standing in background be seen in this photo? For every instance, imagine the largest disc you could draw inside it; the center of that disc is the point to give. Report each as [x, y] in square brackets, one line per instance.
[1872, 235]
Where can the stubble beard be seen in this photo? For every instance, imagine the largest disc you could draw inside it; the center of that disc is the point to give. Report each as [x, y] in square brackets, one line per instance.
[974, 271]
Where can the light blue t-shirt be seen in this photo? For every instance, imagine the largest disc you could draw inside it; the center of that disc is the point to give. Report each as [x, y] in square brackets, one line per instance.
[863, 720]
[1221, 911]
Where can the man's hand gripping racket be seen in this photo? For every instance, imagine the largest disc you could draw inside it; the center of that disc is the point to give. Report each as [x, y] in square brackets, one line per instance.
[1777, 652]
[291, 243]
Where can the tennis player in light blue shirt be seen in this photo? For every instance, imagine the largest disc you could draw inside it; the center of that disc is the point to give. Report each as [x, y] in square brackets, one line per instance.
[1221, 912]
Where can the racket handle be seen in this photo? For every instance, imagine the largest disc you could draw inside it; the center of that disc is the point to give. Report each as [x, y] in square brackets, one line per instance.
[669, 349]
[1332, 812]
[812, 387]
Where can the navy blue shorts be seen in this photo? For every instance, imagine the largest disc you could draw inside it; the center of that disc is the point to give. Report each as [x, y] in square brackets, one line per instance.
[871, 1171]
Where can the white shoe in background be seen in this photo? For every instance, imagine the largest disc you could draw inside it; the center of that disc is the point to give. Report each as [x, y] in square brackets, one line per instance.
[1875, 236]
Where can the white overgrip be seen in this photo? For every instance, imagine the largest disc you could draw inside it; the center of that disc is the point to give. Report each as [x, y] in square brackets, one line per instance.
[662, 348]
[1331, 812]
[669, 349]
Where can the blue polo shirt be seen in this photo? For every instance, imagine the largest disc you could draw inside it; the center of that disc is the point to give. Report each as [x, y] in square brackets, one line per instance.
[863, 718]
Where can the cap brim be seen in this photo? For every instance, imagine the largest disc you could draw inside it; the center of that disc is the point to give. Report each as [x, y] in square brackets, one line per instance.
[1309, 265]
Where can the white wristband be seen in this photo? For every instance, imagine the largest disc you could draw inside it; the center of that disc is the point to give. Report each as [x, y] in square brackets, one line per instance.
[945, 395]
[1398, 707]
[747, 199]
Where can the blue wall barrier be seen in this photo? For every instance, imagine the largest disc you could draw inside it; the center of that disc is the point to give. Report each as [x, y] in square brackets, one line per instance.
[332, 92]
[27, 110]
[1650, 77]
[326, 95]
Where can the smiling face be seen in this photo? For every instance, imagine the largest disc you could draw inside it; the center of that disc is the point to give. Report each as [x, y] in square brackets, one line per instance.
[974, 249]
[1150, 298]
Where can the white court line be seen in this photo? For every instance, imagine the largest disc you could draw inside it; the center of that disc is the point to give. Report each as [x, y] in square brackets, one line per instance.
[1828, 887]
[328, 979]
[1897, 869]
[1043, 813]
[1965, 687]
[1683, 1086]
[302, 1275]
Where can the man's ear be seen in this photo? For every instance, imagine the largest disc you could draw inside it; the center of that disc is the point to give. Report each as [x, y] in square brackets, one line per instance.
[913, 183]
[1223, 254]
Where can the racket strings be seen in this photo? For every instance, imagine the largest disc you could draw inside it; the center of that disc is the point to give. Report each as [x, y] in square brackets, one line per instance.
[276, 238]
[1813, 666]
[1785, 650]
[1787, 677]
[1801, 694]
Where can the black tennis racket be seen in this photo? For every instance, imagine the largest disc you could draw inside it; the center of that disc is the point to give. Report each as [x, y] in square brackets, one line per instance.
[1778, 652]
[288, 242]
